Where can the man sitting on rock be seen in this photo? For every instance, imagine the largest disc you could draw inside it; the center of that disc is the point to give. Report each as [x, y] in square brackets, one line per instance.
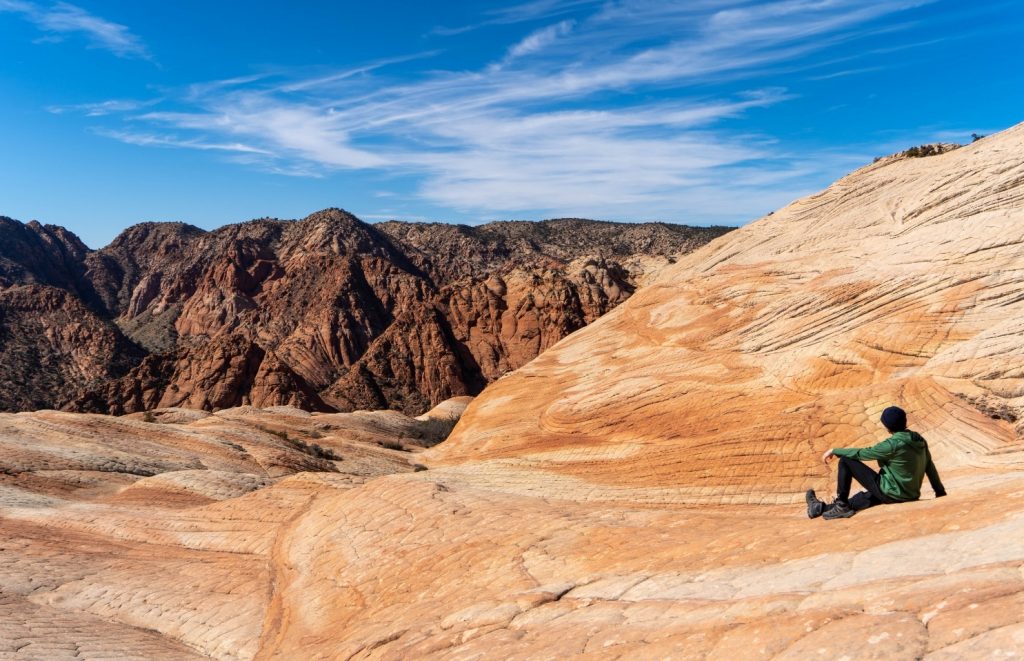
[903, 461]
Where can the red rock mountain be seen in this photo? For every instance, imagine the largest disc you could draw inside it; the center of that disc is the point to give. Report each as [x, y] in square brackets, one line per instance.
[326, 313]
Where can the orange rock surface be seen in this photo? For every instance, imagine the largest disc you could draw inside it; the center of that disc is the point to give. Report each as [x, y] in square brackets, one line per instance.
[150, 536]
[635, 492]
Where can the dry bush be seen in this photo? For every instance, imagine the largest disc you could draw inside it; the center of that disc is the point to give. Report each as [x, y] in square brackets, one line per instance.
[435, 430]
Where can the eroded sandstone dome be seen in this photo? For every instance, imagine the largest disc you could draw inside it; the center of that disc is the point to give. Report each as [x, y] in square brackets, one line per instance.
[629, 494]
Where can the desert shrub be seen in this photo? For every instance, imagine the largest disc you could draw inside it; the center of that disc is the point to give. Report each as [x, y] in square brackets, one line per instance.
[435, 430]
[283, 435]
[313, 450]
[323, 453]
[995, 409]
[976, 136]
[318, 451]
[392, 445]
[921, 151]
[314, 433]
[148, 417]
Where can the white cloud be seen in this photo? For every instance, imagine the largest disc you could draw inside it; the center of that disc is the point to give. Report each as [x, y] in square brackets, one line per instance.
[541, 38]
[153, 140]
[102, 108]
[347, 74]
[64, 19]
[521, 13]
[16, 6]
[291, 130]
[570, 119]
[849, 72]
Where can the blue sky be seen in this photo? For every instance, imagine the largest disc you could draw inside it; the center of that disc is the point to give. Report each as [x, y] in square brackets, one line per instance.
[702, 112]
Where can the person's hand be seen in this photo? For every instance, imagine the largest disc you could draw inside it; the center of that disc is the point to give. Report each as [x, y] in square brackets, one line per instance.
[828, 455]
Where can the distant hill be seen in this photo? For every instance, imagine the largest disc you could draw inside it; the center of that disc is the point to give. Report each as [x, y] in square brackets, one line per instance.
[325, 313]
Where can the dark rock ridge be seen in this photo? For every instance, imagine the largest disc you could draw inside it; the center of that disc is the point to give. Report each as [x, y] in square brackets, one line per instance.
[53, 346]
[325, 313]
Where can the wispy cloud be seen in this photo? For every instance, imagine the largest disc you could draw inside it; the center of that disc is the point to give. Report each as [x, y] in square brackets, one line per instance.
[541, 39]
[347, 74]
[847, 72]
[166, 140]
[568, 119]
[102, 108]
[537, 10]
[62, 19]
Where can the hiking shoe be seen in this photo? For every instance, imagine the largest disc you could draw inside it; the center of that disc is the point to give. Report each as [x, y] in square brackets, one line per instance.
[815, 507]
[839, 511]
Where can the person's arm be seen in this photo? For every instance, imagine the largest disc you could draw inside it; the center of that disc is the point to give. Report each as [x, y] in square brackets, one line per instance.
[933, 475]
[883, 450]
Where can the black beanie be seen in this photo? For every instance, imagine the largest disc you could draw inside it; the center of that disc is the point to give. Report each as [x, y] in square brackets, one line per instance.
[894, 418]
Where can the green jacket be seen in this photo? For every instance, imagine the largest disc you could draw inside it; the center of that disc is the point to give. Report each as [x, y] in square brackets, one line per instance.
[903, 460]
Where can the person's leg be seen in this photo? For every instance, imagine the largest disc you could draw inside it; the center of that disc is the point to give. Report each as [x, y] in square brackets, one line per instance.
[852, 469]
[844, 481]
[863, 500]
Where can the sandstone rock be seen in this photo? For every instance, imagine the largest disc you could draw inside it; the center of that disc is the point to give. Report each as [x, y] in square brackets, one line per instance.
[52, 346]
[219, 374]
[331, 312]
[897, 285]
[632, 493]
[450, 408]
[39, 254]
[718, 386]
[139, 539]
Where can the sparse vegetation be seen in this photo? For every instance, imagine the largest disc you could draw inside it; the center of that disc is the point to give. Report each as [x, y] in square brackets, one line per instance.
[922, 151]
[283, 435]
[435, 430]
[319, 451]
[148, 417]
[994, 409]
[312, 449]
[392, 445]
[976, 136]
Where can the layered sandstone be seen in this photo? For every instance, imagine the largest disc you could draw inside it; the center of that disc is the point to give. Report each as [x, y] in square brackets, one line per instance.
[151, 535]
[898, 284]
[636, 491]
[324, 313]
[632, 493]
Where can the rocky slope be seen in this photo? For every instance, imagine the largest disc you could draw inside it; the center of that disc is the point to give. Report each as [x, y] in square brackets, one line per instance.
[127, 537]
[632, 493]
[325, 313]
[54, 346]
[899, 283]
[39, 254]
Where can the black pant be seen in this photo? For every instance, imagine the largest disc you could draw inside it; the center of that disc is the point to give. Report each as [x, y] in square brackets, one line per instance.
[852, 469]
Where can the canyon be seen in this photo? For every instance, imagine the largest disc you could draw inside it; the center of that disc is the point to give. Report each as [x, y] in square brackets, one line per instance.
[324, 314]
[634, 491]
